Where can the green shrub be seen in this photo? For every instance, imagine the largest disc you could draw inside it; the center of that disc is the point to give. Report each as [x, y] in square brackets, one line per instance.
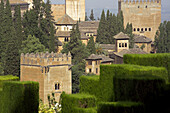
[157, 60]
[84, 110]
[108, 72]
[120, 107]
[20, 97]
[7, 78]
[90, 85]
[69, 102]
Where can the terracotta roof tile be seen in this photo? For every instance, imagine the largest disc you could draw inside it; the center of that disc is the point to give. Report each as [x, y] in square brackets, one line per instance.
[63, 33]
[121, 35]
[142, 39]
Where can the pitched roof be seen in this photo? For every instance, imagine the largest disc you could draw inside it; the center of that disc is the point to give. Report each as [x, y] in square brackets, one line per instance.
[94, 57]
[15, 2]
[108, 46]
[63, 33]
[142, 39]
[105, 58]
[130, 51]
[121, 35]
[66, 20]
[89, 24]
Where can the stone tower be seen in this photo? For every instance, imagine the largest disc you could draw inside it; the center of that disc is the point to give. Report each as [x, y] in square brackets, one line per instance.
[76, 9]
[30, 3]
[145, 16]
[51, 70]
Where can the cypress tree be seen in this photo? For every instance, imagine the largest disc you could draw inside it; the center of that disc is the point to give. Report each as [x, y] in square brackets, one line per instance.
[52, 41]
[92, 15]
[1, 28]
[120, 22]
[91, 46]
[86, 18]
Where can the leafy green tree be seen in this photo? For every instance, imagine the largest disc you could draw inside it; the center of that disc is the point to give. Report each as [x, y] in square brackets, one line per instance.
[91, 46]
[92, 15]
[32, 45]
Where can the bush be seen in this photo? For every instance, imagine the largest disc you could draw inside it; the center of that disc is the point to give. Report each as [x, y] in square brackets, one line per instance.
[109, 72]
[85, 110]
[120, 107]
[157, 60]
[20, 97]
[72, 101]
[90, 85]
[7, 78]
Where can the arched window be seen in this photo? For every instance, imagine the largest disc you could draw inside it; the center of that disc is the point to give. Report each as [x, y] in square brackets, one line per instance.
[149, 29]
[134, 29]
[141, 29]
[138, 29]
[146, 29]
[119, 44]
[57, 86]
[125, 44]
[122, 44]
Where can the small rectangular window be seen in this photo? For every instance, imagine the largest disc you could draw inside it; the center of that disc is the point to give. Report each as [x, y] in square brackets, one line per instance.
[125, 44]
[122, 44]
[90, 70]
[57, 86]
[96, 70]
[119, 44]
[149, 29]
[146, 29]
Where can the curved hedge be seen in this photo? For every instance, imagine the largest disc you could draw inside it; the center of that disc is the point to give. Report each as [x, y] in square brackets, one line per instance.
[157, 60]
[71, 102]
[20, 97]
[120, 107]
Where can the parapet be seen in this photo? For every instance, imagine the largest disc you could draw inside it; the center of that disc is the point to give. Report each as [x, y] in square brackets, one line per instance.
[45, 59]
[140, 1]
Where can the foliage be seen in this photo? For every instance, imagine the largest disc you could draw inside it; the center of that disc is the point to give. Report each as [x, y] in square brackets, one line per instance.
[143, 46]
[32, 45]
[91, 46]
[109, 26]
[162, 38]
[86, 18]
[1, 70]
[70, 102]
[92, 15]
[128, 31]
[79, 52]
[7, 78]
[19, 97]
[157, 60]
[120, 107]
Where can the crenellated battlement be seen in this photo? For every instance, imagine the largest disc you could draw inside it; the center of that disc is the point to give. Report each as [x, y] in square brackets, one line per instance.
[140, 1]
[45, 59]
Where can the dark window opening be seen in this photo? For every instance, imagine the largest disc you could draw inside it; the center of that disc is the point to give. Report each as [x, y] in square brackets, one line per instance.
[138, 6]
[96, 70]
[122, 44]
[96, 62]
[146, 29]
[66, 39]
[134, 29]
[119, 44]
[142, 29]
[138, 29]
[146, 6]
[149, 29]
[89, 70]
[125, 44]
[57, 86]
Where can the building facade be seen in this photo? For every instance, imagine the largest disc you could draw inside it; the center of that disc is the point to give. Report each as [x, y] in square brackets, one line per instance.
[145, 16]
[51, 70]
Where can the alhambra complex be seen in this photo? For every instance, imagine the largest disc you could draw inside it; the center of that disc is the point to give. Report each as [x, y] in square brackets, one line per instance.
[53, 70]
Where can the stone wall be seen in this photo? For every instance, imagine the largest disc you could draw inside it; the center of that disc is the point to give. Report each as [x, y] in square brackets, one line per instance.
[48, 69]
[76, 9]
[58, 10]
[145, 16]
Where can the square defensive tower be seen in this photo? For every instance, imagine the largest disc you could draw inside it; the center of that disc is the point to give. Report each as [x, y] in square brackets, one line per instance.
[145, 16]
[51, 70]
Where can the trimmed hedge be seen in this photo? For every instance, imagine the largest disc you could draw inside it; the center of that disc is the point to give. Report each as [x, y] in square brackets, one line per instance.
[8, 78]
[20, 97]
[109, 72]
[71, 102]
[120, 107]
[85, 110]
[157, 60]
[91, 85]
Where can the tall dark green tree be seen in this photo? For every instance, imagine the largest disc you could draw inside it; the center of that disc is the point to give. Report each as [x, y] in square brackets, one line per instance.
[120, 22]
[92, 15]
[78, 52]
[91, 46]
[101, 32]
[162, 38]
[52, 40]
[128, 31]
[1, 28]
[86, 18]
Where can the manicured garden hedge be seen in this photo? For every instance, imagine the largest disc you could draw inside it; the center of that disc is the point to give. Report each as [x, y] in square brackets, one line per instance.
[157, 60]
[85, 110]
[20, 97]
[91, 85]
[120, 107]
[71, 102]
[8, 78]
[109, 72]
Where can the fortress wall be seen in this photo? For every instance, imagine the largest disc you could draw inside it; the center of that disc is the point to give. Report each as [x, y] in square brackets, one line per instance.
[146, 15]
[76, 9]
[58, 10]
